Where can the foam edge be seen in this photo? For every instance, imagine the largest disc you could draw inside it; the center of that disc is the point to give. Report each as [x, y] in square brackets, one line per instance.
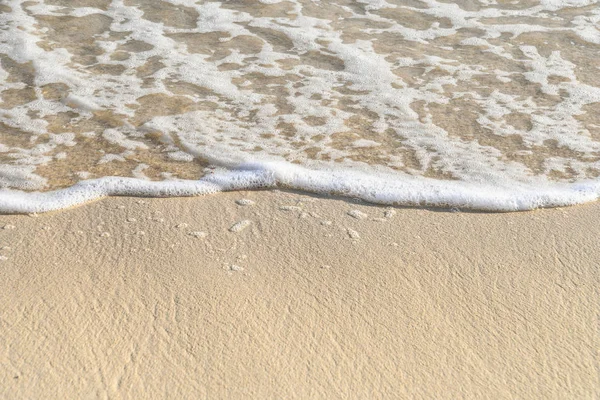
[382, 189]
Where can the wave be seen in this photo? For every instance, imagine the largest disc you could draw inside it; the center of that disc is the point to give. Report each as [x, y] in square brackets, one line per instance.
[387, 190]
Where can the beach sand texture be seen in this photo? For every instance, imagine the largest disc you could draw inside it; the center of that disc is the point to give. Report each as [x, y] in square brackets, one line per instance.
[309, 298]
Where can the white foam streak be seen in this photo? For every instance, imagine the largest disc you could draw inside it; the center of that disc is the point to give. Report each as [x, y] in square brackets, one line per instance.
[380, 190]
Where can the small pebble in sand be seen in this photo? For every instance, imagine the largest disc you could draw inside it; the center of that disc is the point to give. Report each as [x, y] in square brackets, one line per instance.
[240, 226]
[105, 234]
[236, 268]
[244, 202]
[33, 215]
[394, 244]
[290, 208]
[326, 223]
[3, 258]
[120, 207]
[9, 226]
[198, 234]
[140, 202]
[357, 214]
[353, 234]
[389, 213]
[131, 219]
[182, 225]
[46, 228]
[325, 266]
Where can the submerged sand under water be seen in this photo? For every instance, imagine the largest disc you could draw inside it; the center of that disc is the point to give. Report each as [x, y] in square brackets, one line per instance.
[477, 91]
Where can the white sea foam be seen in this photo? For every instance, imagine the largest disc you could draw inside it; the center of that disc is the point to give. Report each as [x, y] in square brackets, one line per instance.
[375, 189]
[471, 104]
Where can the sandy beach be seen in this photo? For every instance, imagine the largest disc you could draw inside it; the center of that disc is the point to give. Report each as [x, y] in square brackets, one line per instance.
[295, 296]
[244, 292]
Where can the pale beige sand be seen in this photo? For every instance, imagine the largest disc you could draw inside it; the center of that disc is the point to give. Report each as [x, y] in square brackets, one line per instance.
[425, 304]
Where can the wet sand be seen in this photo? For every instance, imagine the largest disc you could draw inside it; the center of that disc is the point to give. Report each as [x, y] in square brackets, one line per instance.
[180, 298]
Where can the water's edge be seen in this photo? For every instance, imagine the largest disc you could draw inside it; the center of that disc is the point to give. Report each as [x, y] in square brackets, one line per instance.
[383, 189]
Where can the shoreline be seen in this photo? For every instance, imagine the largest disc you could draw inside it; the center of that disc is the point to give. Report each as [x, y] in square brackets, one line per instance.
[315, 297]
[383, 189]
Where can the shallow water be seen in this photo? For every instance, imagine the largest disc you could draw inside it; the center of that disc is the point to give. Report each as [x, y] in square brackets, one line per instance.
[483, 104]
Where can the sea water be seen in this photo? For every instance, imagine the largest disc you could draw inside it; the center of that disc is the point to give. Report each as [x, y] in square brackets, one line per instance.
[482, 104]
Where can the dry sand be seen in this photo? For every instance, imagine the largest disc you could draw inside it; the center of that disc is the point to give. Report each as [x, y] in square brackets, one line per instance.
[121, 299]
